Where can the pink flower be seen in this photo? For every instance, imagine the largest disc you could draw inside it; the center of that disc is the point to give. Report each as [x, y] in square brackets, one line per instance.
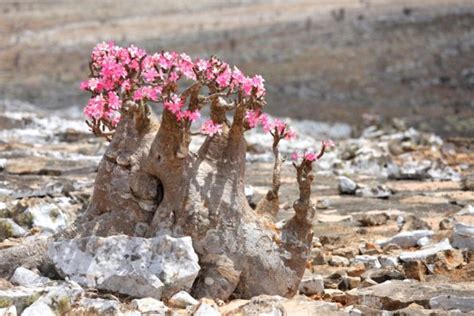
[279, 126]
[116, 119]
[295, 156]
[192, 116]
[310, 156]
[146, 92]
[150, 74]
[95, 107]
[223, 79]
[165, 60]
[114, 101]
[174, 105]
[173, 76]
[328, 143]
[252, 118]
[90, 84]
[266, 123]
[247, 86]
[290, 134]
[210, 128]
[126, 86]
[257, 82]
[201, 64]
[237, 76]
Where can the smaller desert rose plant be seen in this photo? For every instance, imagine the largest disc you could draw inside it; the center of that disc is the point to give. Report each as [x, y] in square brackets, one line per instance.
[149, 183]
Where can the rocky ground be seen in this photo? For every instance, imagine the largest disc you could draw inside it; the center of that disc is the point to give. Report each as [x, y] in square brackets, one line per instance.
[394, 232]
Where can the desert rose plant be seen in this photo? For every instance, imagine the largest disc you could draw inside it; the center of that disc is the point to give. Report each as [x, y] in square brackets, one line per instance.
[150, 183]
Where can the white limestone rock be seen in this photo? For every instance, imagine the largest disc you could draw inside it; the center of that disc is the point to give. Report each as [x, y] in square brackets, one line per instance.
[139, 267]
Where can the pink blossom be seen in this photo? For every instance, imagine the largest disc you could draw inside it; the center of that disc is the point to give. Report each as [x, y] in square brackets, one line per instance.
[247, 86]
[310, 156]
[257, 82]
[165, 60]
[90, 84]
[223, 79]
[266, 123]
[146, 92]
[174, 105]
[192, 116]
[150, 74]
[210, 128]
[252, 118]
[290, 134]
[295, 156]
[279, 126]
[237, 76]
[126, 85]
[116, 119]
[95, 107]
[173, 76]
[201, 64]
[328, 143]
[114, 101]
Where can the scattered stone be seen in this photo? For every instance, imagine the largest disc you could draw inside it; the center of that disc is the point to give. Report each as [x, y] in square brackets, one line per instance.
[356, 269]
[333, 218]
[311, 285]
[463, 236]
[8, 311]
[423, 241]
[379, 191]
[370, 262]
[412, 223]
[323, 204]
[97, 306]
[407, 239]
[347, 252]
[448, 260]
[335, 295]
[263, 305]
[466, 210]
[468, 182]
[150, 305]
[347, 186]
[338, 261]
[336, 280]
[450, 302]
[207, 308]
[318, 257]
[353, 282]
[423, 254]
[49, 166]
[388, 261]
[28, 278]
[20, 297]
[367, 283]
[382, 275]
[47, 217]
[395, 294]
[148, 267]
[8, 228]
[372, 219]
[182, 299]
[390, 247]
[446, 223]
[414, 270]
[39, 308]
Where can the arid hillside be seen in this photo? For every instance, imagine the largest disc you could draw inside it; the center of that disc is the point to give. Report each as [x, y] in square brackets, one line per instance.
[323, 60]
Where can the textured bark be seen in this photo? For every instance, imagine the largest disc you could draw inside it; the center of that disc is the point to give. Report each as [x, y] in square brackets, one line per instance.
[149, 184]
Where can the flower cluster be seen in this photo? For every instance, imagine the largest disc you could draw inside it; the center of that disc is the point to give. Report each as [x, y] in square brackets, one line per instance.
[275, 126]
[120, 74]
[312, 156]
